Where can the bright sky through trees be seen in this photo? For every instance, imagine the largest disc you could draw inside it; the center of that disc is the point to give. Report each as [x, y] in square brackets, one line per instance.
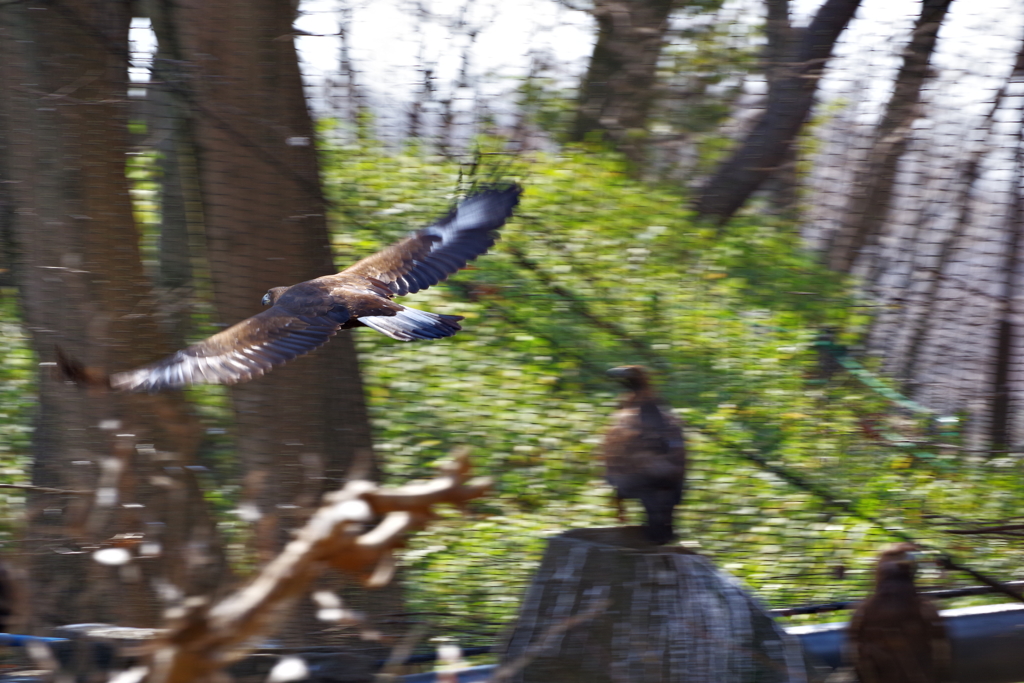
[389, 43]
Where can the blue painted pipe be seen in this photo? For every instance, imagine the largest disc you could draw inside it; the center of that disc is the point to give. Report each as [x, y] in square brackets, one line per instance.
[15, 640]
[988, 642]
[472, 674]
[988, 645]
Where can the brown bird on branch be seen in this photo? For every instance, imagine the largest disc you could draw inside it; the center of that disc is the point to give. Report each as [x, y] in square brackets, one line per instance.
[645, 453]
[896, 635]
[303, 317]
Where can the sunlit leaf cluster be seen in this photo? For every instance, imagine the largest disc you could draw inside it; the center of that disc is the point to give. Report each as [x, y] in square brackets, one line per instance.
[17, 403]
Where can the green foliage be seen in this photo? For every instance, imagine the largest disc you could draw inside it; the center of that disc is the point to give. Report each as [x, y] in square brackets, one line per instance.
[143, 172]
[17, 401]
[599, 270]
[546, 103]
[703, 70]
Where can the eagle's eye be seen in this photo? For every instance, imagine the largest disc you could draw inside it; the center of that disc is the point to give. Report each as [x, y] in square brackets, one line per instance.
[267, 299]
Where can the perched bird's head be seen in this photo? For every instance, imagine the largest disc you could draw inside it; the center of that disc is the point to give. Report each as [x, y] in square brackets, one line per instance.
[635, 377]
[897, 562]
[272, 295]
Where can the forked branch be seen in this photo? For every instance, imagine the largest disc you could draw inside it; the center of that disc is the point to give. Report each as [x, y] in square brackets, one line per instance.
[355, 531]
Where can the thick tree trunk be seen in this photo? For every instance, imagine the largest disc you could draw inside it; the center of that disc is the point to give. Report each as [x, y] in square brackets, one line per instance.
[606, 605]
[618, 90]
[63, 71]
[266, 226]
[790, 99]
[299, 428]
[783, 185]
[170, 132]
[968, 172]
[871, 192]
[1007, 339]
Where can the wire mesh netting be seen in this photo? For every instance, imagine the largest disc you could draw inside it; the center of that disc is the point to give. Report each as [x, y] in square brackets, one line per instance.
[845, 351]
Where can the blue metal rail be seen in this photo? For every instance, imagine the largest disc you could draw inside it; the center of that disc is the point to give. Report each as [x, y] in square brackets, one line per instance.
[988, 646]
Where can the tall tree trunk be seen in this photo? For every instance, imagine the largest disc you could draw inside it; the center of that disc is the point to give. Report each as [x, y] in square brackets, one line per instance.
[871, 193]
[63, 70]
[351, 105]
[968, 174]
[782, 186]
[618, 90]
[299, 428]
[790, 99]
[180, 273]
[1007, 342]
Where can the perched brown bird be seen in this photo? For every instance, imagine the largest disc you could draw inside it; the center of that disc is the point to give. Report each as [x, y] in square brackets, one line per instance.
[897, 636]
[303, 317]
[645, 454]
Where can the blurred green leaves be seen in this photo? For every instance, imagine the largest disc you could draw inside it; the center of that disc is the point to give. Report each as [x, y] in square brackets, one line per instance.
[18, 370]
[599, 270]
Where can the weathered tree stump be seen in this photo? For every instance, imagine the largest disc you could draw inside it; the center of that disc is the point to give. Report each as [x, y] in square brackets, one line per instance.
[643, 613]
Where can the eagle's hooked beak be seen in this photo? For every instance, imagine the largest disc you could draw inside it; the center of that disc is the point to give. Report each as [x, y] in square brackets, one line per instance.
[266, 299]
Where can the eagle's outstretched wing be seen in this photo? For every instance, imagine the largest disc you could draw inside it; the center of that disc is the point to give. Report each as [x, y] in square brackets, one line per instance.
[430, 255]
[238, 354]
[304, 316]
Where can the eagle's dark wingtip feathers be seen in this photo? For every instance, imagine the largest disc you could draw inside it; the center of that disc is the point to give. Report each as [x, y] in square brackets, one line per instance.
[466, 232]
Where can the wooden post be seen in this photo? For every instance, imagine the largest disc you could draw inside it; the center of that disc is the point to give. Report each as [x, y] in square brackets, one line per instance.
[607, 605]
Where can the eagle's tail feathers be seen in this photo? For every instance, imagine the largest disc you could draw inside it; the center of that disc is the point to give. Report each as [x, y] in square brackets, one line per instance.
[660, 507]
[73, 371]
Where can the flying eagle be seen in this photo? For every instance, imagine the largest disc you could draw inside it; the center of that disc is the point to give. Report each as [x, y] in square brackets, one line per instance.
[645, 454]
[896, 635]
[301, 318]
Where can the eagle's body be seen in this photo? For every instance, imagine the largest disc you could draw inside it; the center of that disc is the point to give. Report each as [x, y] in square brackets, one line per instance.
[303, 317]
[645, 453]
[896, 635]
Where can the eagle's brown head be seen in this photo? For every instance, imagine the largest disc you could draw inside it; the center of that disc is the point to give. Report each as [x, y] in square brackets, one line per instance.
[897, 562]
[273, 294]
[635, 377]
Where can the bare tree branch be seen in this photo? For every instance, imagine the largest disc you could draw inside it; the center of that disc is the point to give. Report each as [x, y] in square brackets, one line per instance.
[204, 638]
[619, 87]
[873, 184]
[987, 529]
[790, 99]
[45, 489]
[998, 586]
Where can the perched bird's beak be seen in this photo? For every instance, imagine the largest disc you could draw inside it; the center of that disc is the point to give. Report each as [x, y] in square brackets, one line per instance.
[266, 299]
[617, 373]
